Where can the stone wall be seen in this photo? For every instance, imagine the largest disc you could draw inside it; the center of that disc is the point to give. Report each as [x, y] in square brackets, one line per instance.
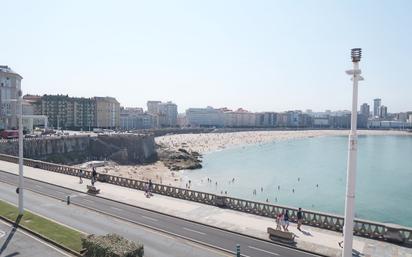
[124, 149]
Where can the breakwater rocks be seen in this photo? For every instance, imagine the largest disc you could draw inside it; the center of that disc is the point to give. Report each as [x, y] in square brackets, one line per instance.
[180, 159]
[124, 149]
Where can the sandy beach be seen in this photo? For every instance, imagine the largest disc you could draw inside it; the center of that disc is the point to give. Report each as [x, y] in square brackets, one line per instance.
[205, 143]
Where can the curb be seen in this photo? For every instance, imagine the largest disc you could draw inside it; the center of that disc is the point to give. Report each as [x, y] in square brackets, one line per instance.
[166, 214]
[48, 240]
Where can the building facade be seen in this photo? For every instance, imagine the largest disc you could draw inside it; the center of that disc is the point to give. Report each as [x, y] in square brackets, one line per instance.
[167, 114]
[135, 118]
[365, 110]
[10, 84]
[383, 112]
[153, 107]
[204, 117]
[376, 107]
[107, 112]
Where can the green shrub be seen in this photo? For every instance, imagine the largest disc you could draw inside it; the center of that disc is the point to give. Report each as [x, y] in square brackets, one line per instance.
[111, 245]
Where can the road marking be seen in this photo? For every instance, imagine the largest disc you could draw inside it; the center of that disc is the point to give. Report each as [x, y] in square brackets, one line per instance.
[254, 248]
[38, 186]
[2, 233]
[195, 231]
[115, 208]
[149, 218]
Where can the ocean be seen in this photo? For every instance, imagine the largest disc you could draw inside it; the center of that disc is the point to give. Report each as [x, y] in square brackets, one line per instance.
[311, 173]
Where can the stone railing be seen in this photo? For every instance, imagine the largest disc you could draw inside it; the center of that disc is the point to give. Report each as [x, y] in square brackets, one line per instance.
[364, 228]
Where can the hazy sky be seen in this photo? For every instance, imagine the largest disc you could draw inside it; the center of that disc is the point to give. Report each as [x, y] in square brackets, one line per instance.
[259, 55]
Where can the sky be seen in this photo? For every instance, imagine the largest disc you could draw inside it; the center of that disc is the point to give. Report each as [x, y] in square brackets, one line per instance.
[257, 55]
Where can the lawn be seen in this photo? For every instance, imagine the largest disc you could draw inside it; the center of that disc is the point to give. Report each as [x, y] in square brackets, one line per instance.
[61, 234]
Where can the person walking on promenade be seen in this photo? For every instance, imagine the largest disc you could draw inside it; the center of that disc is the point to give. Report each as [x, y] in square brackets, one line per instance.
[300, 218]
[279, 218]
[150, 187]
[81, 177]
[286, 220]
[94, 175]
[146, 190]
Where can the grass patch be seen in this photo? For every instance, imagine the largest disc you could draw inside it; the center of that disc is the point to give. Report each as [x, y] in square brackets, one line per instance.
[61, 234]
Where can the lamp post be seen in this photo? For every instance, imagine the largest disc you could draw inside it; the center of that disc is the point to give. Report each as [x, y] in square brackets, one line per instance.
[20, 110]
[356, 54]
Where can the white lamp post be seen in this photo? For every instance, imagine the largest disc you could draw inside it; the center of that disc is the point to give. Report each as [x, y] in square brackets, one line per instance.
[20, 106]
[356, 54]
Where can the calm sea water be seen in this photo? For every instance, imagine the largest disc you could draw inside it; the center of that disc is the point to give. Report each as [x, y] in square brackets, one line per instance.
[384, 177]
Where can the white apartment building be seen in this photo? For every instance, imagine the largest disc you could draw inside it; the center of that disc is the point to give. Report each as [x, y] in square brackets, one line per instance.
[167, 114]
[10, 84]
[239, 118]
[204, 117]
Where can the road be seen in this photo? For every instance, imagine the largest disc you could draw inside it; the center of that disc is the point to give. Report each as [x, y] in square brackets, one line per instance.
[15, 242]
[146, 220]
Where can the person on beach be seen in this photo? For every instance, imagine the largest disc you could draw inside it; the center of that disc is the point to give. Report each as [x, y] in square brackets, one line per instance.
[300, 218]
[286, 220]
[81, 177]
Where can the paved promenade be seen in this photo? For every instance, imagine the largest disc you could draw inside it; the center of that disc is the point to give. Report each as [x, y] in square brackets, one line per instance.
[312, 239]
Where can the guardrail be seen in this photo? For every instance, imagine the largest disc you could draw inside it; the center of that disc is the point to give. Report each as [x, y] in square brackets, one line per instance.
[364, 228]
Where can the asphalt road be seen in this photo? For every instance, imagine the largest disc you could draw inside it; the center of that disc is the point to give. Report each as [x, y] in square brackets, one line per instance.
[14, 242]
[175, 227]
[156, 244]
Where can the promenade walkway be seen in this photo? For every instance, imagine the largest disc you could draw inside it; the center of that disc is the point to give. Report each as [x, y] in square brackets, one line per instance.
[312, 239]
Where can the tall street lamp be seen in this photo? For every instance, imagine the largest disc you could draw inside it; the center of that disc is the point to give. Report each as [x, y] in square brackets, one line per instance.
[356, 54]
[20, 107]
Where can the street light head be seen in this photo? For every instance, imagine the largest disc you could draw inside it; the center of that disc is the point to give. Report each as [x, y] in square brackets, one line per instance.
[356, 54]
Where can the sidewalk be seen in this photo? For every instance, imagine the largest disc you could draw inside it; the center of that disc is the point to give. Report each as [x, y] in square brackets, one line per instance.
[312, 239]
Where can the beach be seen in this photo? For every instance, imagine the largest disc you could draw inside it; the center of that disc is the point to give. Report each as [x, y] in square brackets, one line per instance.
[211, 142]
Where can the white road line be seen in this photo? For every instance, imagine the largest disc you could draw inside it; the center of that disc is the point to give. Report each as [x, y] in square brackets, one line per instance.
[115, 208]
[195, 231]
[149, 218]
[258, 249]
[37, 239]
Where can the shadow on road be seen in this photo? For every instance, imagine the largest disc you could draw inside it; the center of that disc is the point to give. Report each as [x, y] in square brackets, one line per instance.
[10, 237]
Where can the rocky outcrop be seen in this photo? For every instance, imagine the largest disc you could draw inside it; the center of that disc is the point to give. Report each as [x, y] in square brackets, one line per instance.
[180, 159]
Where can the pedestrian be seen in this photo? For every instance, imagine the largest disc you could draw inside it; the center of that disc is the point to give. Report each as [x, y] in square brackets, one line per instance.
[300, 218]
[94, 175]
[279, 218]
[146, 190]
[150, 187]
[286, 220]
[81, 177]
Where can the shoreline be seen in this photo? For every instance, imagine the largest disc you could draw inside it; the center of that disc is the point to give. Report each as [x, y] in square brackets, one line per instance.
[210, 142]
[205, 143]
